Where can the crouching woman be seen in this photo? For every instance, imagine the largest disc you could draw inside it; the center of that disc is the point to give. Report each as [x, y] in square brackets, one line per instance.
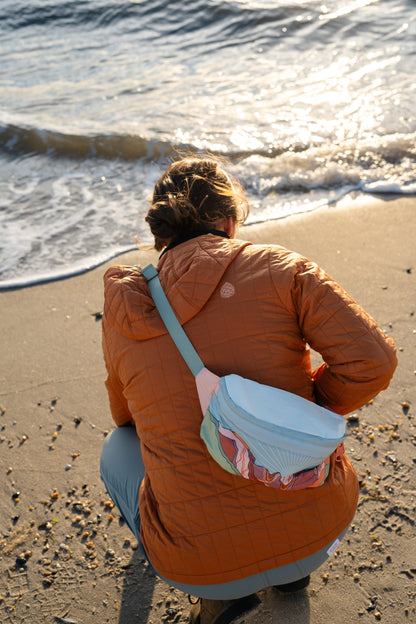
[250, 310]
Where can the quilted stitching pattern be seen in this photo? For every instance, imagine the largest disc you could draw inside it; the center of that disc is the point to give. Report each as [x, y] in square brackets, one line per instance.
[199, 523]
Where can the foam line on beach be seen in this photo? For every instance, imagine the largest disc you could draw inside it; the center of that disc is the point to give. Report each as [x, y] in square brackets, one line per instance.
[99, 259]
[65, 273]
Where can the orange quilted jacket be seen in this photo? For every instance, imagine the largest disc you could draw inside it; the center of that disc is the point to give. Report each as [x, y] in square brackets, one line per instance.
[251, 310]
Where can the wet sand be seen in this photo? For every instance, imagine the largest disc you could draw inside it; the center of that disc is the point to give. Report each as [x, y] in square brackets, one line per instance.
[64, 551]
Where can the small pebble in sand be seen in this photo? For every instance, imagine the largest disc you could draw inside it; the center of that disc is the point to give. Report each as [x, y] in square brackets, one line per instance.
[68, 467]
[47, 526]
[353, 418]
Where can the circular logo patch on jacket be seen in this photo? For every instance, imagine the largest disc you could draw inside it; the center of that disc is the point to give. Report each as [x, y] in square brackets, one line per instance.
[227, 290]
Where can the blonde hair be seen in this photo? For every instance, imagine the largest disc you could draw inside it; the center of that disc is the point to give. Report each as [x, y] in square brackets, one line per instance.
[193, 194]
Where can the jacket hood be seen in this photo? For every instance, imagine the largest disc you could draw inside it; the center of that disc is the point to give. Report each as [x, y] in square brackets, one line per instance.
[189, 274]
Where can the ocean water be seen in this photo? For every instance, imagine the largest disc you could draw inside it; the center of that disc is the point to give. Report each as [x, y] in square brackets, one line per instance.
[306, 99]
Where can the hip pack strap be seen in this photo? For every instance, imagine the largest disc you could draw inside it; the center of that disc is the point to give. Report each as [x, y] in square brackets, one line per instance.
[172, 324]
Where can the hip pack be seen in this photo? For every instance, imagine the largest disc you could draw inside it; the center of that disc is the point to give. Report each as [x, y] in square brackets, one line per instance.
[256, 431]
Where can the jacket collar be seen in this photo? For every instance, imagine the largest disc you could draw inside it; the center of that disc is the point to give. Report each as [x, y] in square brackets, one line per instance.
[190, 235]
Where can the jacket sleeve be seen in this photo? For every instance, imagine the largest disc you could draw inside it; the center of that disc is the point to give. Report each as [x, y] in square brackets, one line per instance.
[359, 359]
[118, 405]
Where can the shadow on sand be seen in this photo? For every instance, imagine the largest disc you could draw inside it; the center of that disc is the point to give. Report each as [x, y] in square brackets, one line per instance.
[146, 598]
[137, 593]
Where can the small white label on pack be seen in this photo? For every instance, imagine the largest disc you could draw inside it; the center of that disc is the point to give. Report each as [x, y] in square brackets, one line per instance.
[333, 547]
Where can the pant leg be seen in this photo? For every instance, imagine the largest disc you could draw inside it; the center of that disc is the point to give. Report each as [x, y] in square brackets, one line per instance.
[122, 471]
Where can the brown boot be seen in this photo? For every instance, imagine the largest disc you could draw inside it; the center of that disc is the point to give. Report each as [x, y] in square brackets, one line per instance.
[221, 611]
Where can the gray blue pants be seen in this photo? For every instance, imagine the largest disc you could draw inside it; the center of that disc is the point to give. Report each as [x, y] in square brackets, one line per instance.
[122, 471]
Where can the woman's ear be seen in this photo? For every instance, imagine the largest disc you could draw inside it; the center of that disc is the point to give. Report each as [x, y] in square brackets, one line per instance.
[227, 225]
[230, 227]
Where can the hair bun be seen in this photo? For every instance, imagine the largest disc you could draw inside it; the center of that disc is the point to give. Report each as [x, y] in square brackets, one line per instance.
[193, 193]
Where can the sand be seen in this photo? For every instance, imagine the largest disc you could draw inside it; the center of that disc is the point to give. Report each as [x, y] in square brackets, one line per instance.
[64, 551]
